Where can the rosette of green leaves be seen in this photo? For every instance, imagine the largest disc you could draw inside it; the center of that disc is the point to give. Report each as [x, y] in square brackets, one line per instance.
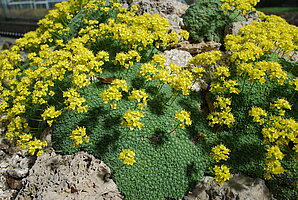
[206, 21]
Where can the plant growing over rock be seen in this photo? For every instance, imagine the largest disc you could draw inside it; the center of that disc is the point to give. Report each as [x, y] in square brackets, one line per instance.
[94, 73]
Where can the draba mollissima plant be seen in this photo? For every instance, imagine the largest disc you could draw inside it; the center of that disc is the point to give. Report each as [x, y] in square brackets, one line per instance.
[85, 74]
[92, 71]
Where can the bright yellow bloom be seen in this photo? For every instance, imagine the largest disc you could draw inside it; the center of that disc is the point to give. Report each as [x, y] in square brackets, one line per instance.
[140, 96]
[79, 136]
[128, 157]
[184, 117]
[220, 152]
[36, 145]
[258, 114]
[273, 167]
[222, 173]
[274, 152]
[132, 119]
[50, 113]
[206, 58]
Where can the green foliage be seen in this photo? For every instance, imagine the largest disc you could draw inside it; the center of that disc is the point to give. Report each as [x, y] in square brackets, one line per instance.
[167, 162]
[205, 20]
[285, 186]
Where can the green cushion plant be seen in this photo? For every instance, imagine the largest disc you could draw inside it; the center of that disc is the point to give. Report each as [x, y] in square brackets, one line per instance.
[206, 21]
[93, 72]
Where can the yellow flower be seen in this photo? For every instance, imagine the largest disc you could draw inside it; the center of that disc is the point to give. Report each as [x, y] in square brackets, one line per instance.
[184, 117]
[274, 152]
[79, 136]
[128, 157]
[132, 119]
[258, 114]
[220, 152]
[50, 113]
[34, 145]
[222, 173]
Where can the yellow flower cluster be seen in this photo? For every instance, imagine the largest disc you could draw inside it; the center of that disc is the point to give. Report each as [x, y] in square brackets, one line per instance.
[36, 145]
[147, 70]
[273, 164]
[74, 101]
[241, 5]
[184, 117]
[278, 131]
[132, 31]
[128, 157]
[258, 114]
[182, 80]
[294, 82]
[220, 152]
[206, 58]
[128, 59]
[140, 96]
[49, 114]
[16, 127]
[273, 34]
[175, 76]
[25, 141]
[114, 92]
[281, 104]
[132, 119]
[222, 173]
[261, 70]
[224, 115]
[221, 83]
[79, 136]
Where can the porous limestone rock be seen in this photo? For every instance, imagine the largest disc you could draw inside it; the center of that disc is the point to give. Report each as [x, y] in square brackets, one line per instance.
[14, 166]
[195, 48]
[238, 187]
[69, 177]
[178, 57]
[170, 9]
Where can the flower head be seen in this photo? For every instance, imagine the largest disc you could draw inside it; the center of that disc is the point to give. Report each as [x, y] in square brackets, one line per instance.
[128, 157]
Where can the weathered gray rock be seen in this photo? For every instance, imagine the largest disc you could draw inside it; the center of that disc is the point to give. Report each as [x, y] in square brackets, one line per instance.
[238, 187]
[178, 57]
[75, 177]
[195, 48]
[234, 27]
[170, 9]
[14, 166]
[18, 172]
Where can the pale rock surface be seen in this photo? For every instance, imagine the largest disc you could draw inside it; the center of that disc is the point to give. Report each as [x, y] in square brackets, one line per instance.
[234, 27]
[178, 57]
[195, 48]
[14, 166]
[69, 177]
[239, 187]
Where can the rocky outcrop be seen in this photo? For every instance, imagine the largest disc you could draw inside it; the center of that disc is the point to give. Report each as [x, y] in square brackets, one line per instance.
[14, 166]
[170, 9]
[195, 48]
[238, 187]
[234, 27]
[69, 177]
[178, 57]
